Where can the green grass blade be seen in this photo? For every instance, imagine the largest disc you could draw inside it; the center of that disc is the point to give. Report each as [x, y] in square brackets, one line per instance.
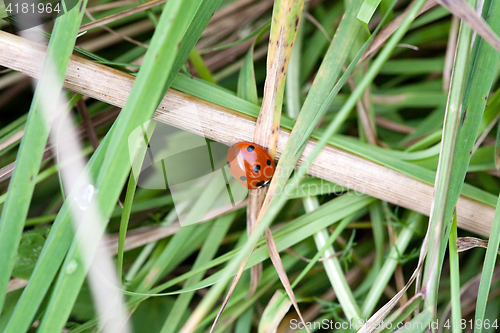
[367, 9]
[481, 67]
[30, 153]
[200, 66]
[127, 208]
[456, 307]
[247, 88]
[378, 233]
[442, 194]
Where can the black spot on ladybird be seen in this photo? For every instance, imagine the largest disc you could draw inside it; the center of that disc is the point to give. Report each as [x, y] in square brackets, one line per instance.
[256, 168]
[261, 183]
[243, 178]
[268, 162]
[228, 164]
[250, 149]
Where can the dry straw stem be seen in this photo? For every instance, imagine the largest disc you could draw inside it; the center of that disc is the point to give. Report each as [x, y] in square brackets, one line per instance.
[120, 15]
[221, 124]
[388, 30]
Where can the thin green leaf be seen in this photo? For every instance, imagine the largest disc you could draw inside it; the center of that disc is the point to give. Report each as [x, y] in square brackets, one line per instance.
[456, 306]
[247, 87]
[367, 9]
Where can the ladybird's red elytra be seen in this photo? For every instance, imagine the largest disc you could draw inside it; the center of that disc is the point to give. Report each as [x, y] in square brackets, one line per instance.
[250, 164]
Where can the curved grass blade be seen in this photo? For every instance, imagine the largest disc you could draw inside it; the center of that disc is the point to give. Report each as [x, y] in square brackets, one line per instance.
[278, 264]
[274, 312]
[367, 9]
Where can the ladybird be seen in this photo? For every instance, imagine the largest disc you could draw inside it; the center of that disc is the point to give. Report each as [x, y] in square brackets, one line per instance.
[250, 164]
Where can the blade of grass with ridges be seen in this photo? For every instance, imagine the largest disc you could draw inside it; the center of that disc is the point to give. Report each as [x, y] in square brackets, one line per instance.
[486, 59]
[481, 68]
[30, 153]
[449, 142]
[60, 236]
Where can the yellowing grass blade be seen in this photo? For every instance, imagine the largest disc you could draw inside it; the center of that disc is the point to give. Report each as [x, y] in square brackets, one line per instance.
[284, 26]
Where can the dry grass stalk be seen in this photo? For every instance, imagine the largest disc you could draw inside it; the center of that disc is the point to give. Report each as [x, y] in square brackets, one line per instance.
[450, 53]
[393, 126]
[98, 121]
[120, 15]
[87, 122]
[122, 36]
[224, 125]
[108, 40]
[115, 4]
[389, 29]
[467, 243]
[464, 11]
[364, 115]
[232, 25]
